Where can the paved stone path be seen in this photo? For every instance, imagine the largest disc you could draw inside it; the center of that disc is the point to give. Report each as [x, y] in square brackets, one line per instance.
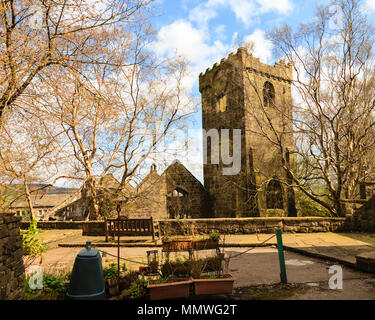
[343, 247]
[259, 266]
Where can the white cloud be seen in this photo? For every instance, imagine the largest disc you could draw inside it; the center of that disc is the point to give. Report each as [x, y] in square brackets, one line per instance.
[183, 39]
[244, 10]
[370, 5]
[262, 47]
[194, 40]
[219, 31]
[281, 6]
[201, 15]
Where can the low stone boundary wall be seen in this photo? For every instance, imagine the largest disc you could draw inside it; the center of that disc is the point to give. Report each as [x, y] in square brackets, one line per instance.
[48, 225]
[222, 225]
[89, 228]
[93, 228]
[12, 270]
[252, 225]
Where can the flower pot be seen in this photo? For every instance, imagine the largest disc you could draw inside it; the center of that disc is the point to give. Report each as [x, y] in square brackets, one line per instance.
[179, 288]
[183, 244]
[222, 285]
[205, 244]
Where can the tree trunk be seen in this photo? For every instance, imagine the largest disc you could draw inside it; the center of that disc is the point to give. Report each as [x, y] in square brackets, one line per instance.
[339, 207]
[28, 198]
[89, 195]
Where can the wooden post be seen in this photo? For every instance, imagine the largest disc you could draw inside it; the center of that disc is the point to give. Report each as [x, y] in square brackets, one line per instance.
[118, 247]
[152, 229]
[106, 229]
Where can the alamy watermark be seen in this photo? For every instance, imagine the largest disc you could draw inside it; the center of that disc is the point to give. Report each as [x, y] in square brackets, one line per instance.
[36, 277]
[220, 147]
[336, 280]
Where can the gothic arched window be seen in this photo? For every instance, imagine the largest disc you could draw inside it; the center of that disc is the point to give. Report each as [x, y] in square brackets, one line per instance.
[274, 195]
[268, 94]
[178, 204]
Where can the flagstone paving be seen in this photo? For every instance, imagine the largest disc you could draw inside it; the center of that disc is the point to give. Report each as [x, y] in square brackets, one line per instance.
[343, 247]
[254, 260]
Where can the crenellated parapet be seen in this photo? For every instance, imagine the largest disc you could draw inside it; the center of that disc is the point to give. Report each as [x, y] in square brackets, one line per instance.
[280, 71]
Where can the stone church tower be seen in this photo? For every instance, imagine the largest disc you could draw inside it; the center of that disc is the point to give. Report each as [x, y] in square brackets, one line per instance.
[243, 93]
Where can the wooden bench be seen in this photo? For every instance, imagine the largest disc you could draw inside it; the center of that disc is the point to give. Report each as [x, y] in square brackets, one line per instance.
[126, 227]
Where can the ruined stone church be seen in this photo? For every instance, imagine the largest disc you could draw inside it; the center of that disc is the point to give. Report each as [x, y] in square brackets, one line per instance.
[236, 94]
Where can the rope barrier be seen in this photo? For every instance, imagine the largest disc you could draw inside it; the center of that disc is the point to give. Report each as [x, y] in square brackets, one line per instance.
[252, 248]
[230, 257]
[113, 255]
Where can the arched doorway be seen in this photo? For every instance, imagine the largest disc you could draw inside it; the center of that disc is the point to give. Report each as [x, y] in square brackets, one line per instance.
[274, 195]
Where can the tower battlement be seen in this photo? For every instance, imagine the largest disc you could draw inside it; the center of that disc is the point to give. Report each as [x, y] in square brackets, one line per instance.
[236, 94]
[280, 71]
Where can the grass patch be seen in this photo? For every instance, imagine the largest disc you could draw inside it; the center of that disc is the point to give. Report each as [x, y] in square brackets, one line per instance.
[274, 292]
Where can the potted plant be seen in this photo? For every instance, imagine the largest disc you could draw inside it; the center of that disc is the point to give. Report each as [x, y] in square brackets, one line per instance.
[216, 283]
[177, 243]
[209, 242]
[213, 284]
[179, 268]
[169, 288]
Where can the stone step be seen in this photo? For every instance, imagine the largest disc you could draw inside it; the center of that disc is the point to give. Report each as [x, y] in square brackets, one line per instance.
[366, 261]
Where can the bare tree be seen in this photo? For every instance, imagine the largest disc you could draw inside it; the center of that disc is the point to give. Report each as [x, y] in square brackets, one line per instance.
[114, 119]
[29, 152]
[333, 110]
[39, 37]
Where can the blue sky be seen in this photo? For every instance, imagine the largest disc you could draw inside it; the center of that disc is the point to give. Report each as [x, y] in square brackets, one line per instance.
[205, 31]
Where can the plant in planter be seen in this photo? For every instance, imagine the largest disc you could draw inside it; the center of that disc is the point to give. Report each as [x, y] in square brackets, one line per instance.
[177, 243]
[176, 268]
[218, 283]
[137, 290]
[169, 288]
[213, 264]
[210, 241]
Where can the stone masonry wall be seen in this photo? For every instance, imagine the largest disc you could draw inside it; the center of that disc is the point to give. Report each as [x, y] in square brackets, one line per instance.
[49, 225]
[233, 98]
[252, 225]
[223, 225]
[363, 219]
[12, 271]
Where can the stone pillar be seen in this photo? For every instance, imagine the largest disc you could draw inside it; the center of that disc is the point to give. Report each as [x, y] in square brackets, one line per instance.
[12, 270]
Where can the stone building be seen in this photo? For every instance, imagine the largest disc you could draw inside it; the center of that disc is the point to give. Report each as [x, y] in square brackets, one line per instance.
[176, 193]
[76, 209]
[237, 94]
[43, 201]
